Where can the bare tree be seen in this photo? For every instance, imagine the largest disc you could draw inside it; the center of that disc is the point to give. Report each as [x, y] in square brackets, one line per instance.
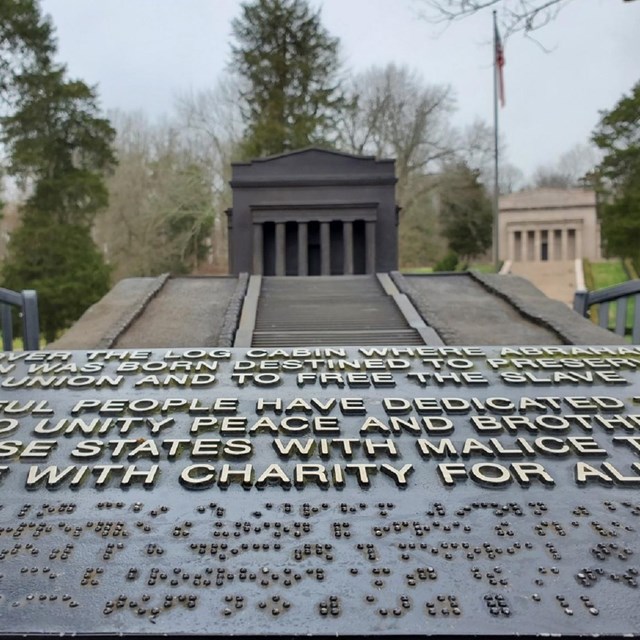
[420, 232]
[361, 128]
[514, 15]
[579, 162]
[570, 170]
[550, 177]
[211, 126]
[160, 202]
[393, 113]
[211, 122]
[475, 147]
[510, 179]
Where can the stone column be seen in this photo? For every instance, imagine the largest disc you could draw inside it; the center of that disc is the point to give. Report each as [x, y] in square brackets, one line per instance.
[303, 249]
[531, 251]
[370, 246]
[280, 249]
[511, 245]
[536, 245]
[347, 242]
[325, 249]
[564, 244]
[579, 250]
[258, 249]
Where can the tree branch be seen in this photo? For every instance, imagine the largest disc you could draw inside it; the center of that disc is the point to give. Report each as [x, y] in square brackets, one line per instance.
[514, 15]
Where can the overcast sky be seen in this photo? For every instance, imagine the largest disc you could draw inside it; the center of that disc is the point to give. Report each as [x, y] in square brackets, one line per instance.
[142, 53]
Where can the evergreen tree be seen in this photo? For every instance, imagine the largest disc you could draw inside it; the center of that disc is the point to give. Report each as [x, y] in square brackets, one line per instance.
[61, 262]
[289, 64]
[58, 150]
[617, 177]
[465, 212]
[58, 146]
[26, 42]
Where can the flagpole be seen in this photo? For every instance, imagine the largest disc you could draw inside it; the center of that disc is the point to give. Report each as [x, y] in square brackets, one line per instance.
[496, 253]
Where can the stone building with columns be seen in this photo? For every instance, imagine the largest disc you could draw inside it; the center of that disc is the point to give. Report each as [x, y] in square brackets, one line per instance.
[539, 225]
[313, 212]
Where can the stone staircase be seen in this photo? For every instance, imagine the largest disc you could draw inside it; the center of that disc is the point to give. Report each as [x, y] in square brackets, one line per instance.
[329, 311]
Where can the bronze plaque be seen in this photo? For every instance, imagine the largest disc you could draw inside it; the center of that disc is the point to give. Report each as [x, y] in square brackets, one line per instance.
[359, 491]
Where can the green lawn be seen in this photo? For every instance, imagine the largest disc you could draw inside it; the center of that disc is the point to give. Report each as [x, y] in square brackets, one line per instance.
[607, 274]
[484, 267]
[17, 342]
[418, 270]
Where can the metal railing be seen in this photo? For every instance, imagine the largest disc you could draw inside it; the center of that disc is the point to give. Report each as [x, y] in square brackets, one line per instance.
[27, 303]
[614, 307]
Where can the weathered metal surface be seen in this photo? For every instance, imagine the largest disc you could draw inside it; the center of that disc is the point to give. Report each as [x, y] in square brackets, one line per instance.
[517, 515]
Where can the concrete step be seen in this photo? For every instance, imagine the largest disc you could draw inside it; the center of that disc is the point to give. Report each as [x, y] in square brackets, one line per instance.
[329, 311]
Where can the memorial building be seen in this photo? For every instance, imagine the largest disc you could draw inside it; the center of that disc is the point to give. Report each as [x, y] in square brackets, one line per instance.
[540, 225]
[313, 212]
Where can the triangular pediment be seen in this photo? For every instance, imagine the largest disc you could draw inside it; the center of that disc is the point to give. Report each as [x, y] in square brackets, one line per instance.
[313, 161]
[318, 156]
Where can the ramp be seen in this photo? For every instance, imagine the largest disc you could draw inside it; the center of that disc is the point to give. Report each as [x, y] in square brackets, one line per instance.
[555, 278]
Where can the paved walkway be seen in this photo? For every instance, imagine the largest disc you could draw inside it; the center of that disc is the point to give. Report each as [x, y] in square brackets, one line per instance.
[556, 279]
